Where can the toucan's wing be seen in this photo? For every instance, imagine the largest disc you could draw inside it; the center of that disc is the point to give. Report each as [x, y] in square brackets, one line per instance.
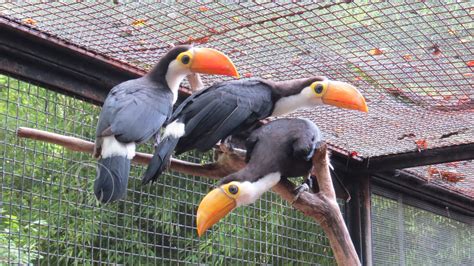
[222, 110]
[134, 111]
[250, 143]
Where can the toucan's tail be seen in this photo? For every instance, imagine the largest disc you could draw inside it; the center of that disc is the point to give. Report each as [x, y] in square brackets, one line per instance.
[112, 178]
[160, 160]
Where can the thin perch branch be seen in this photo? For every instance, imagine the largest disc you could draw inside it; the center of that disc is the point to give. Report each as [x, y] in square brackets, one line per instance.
[321, 206]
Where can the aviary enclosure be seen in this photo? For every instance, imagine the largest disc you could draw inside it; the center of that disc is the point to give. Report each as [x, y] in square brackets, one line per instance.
[407, 163]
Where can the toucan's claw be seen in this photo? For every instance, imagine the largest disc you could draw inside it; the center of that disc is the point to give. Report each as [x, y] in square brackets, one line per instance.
[227, 146]
[306, 186]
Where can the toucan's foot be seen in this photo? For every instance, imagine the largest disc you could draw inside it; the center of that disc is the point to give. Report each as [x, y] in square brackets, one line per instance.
[226, 145]
[306, 186]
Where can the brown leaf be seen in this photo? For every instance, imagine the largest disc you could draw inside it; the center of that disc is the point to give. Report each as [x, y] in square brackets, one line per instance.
[235, 19]
[29, 21]
[357, 78]
[296, 60]
[463, 100]
[447, 97]
[139, 23]
[203, 8]
[375, 51]
[408, 57]
[248, 75]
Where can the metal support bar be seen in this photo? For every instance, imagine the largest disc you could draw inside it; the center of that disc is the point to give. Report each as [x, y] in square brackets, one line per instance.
[409, 159]
[56, 66]
[366, 221]
[353, 217]
[417, 188]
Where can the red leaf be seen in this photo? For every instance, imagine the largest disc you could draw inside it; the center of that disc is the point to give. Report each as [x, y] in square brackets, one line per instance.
[470, 63]
[421, 144]
[214, 31]
[353, 154]
[358, 78]
[203, 8]
[248, 75]
[375, 51]
[450, 176]
[198, 40]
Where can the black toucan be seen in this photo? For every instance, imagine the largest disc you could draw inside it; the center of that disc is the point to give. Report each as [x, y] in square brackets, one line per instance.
[280, 149]
[230, 107]
[135, 110]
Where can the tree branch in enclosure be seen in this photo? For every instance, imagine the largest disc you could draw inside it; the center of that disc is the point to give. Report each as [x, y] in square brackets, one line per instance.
[321, 206]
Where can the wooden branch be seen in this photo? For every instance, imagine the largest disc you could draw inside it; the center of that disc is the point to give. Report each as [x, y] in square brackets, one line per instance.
[321, 206]
[213, 170]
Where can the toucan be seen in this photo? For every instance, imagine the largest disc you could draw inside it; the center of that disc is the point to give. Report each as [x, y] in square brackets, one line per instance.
[279, 149]
[135, 110]
[230, 107]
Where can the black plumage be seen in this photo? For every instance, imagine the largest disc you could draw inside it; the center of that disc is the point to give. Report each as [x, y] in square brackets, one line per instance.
[220, 111]
[132, 113]
[284, 145]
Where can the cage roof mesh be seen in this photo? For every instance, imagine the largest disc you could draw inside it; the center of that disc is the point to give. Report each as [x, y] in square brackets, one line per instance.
[413, 62]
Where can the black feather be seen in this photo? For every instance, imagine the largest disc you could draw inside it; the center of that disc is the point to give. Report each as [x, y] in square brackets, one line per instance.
[112, 179]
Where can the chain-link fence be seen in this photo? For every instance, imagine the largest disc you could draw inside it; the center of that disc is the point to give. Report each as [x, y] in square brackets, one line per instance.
[49, 214]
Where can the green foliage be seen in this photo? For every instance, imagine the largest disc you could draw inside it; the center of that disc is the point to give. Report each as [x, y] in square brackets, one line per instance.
[50, 215]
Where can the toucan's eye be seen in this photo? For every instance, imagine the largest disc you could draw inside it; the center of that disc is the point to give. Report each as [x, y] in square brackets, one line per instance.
[185, 59]
[319, 88]
[233, 189]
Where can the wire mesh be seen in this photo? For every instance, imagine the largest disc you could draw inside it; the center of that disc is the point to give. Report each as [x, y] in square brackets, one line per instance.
[49, 214]
[405, 234]
[413, 62]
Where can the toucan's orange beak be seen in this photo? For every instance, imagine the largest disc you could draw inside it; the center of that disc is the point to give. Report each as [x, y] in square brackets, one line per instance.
[211, 61]
[215, 205]
[344, 95]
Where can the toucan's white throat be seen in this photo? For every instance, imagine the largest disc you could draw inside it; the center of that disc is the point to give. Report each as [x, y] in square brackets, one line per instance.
[250, 192]
[304, 99]
[174, 76]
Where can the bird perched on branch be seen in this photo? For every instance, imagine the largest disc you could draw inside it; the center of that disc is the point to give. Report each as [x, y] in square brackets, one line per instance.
[230, 107]
[280, 149]
[135, 110]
